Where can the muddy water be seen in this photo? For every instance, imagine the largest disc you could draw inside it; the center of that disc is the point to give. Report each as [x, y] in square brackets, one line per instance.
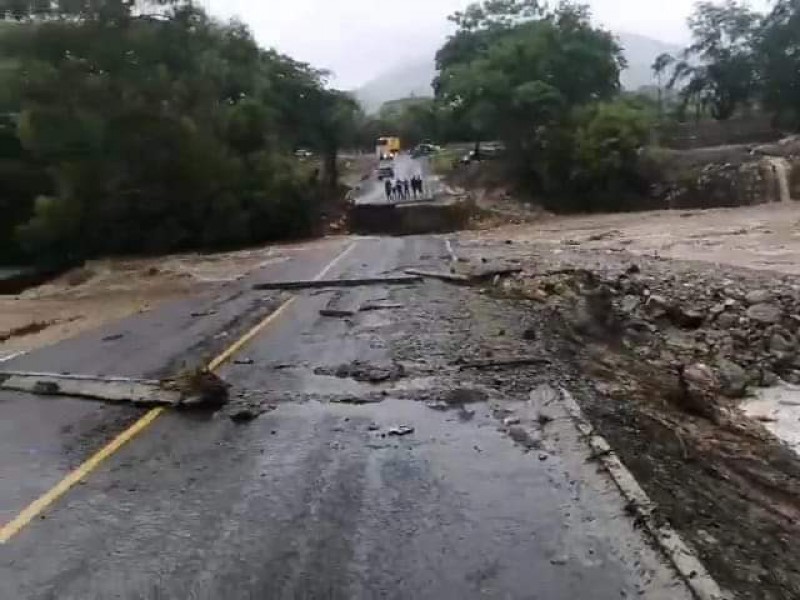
[781, 169]
[778, 408]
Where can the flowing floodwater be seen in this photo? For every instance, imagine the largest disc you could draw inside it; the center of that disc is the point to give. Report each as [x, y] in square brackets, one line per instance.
[781, 167]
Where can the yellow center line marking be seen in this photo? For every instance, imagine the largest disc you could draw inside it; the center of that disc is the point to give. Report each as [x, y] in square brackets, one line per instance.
[38, 506]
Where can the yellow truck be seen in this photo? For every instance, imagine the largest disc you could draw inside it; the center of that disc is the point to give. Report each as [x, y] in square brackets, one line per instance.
[387, 147]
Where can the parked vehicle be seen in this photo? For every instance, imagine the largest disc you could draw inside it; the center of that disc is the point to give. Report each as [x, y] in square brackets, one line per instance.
[424, 150]
[387, 147]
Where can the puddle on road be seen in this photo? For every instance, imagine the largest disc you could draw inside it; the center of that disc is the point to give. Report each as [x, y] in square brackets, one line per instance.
[778, 409]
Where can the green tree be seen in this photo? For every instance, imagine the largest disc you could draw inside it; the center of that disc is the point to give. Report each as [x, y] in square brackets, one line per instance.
[660, 65]
[609, 137]
[524, 87]
[164, 131]
[718, 71]
[778, 51]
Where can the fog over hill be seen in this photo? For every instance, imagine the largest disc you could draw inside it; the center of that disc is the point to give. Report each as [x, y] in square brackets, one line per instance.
[413, 77]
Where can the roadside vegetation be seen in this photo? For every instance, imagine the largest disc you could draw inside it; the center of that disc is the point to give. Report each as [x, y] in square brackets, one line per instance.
[148, 127]
[130, 127]
[545, 81]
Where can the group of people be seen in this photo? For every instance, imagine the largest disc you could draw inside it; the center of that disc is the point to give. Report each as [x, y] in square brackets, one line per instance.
[404, 189]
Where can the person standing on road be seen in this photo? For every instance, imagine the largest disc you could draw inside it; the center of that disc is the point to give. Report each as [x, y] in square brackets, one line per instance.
[406, 189]
[388, 187]
[417, 185]
[398, 190]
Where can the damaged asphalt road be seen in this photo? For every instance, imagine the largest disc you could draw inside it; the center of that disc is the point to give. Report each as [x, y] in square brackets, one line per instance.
[452, 483]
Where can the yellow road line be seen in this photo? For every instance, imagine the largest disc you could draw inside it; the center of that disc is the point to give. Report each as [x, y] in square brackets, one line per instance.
[35, 508]
[247, 337]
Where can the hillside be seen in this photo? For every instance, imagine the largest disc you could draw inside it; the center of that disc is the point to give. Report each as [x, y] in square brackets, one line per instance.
[413, 77]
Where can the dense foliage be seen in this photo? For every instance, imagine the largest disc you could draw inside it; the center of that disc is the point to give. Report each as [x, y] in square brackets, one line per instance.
[546, 82]
[132, 132]
[740, 59]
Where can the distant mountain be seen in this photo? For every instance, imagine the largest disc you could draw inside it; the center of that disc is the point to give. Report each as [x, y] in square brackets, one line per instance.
[409, 79]
[641, 52]
[413, 78]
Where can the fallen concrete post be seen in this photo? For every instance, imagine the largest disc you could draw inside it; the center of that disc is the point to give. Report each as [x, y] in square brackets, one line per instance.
[199, 389]
[142, 392]
[450, 277]
[302, 284]
[465, 278]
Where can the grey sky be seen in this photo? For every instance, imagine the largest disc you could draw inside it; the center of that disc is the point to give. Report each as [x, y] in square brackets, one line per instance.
[359, 39]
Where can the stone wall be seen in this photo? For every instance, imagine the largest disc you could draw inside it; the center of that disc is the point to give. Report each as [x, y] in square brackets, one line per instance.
[736, 175]
[708, 132]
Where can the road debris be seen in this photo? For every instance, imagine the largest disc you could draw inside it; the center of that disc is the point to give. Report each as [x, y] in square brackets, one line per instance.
[442, 275]
[496, 363]
[368, 306]
[336, 312]
[245, 414]
[365, 372]
[666, 351]
[300, 284]
[400, 430]
[140, 392]
[199, 388]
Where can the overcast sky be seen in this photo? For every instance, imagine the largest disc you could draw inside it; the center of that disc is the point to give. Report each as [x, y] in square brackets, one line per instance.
[359, 39]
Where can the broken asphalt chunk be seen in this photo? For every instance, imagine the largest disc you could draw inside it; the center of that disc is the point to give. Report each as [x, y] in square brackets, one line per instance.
[401, 430]
[334, 283]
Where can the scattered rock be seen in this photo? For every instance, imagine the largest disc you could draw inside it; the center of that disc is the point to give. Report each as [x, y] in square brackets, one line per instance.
[365, 372]
[656, 306]
[732, 378]
[245, 414]
[687, 318]
[200, 388]
[542, 401]
[529, 334]
[114, 337]
[765, 313]
[525, 438]
[780, 342]
[697, 393]
[508, 421]
[727, 320]
[401, 430]
[629, 303]
[758, 297]
[768, 378]
[244, 361]
[461, 396]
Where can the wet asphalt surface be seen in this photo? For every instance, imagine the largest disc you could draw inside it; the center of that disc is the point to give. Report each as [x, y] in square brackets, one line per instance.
[313, 499]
